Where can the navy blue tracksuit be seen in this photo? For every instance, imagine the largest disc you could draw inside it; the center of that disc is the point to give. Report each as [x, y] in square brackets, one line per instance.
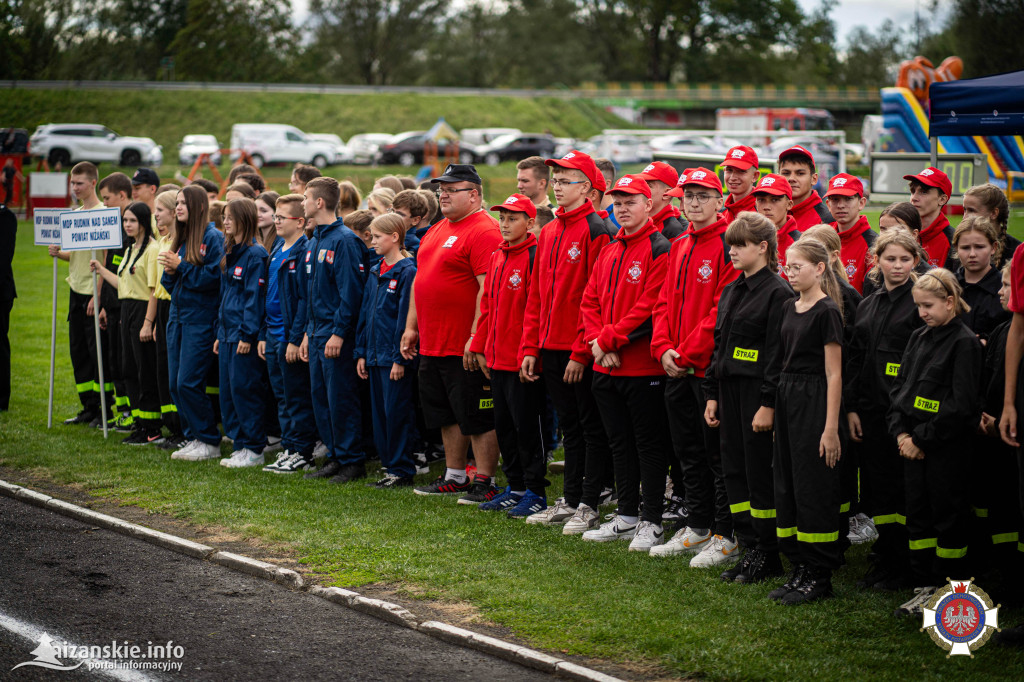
[378, 340]
[336, 276]
[242, 297]
[295, 412]
[191, 331]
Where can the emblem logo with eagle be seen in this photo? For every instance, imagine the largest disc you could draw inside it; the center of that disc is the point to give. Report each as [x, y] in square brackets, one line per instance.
[960, 617]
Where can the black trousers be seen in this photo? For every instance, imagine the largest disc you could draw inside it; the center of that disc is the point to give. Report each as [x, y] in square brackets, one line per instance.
[747, 464]
[139, 366]
[168, 410]
[82, 347]
[882, 489]
[113, 353]
[696, 447]
[633, 412]
[518, 425]
[939, 512]
[588, 459]
[996, 501]
[5, 354]
[807, 491]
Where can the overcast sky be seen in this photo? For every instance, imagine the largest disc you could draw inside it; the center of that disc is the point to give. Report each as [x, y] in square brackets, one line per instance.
[847, 14]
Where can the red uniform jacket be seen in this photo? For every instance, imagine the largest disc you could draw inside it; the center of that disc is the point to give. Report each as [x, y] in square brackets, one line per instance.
[810, 212]
[856, 255]
[566, 252]
[733, 209]
[503, 305]
[620, 297]
[668, 222]
[937, 239]
[787, 235]
[684, 317]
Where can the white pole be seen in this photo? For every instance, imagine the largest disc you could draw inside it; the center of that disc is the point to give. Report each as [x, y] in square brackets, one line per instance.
[53, 343]
[99, 347]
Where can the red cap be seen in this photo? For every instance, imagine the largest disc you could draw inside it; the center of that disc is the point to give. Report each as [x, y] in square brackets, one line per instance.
[660, 170]
[933, 177]
[797, 151]
[677, 191]
[845, 185]
[577, 160]
[702, 177]
[631, 184]
[742, 157]
[774, 183]
[518, 202]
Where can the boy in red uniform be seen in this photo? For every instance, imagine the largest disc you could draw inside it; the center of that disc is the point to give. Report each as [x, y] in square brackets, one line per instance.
[929, 192]
[628, 384]
[698, 270]
[517, 405]
[796, 164]
[662, 179]
[845, 199]
[774, 198]
[566, 252]
[740, 166]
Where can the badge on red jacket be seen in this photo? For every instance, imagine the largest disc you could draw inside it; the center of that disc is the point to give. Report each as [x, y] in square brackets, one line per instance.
[574, 252]
[705, 271]
[515, 280]
[634, 273]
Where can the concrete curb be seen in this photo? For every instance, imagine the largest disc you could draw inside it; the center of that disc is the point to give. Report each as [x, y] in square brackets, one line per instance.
[377, 608]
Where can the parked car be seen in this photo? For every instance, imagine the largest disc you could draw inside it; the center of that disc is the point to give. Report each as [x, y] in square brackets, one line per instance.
[514, 147]
[479, 136]
[620, 149]
[693, 144]
[279, 143]
[362, 148]
[67, 143]
[191, 146]
[406, 149]
[341, 154]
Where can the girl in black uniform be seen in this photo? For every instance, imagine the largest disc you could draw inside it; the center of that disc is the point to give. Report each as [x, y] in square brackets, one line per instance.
[807, 445]
[901, 215]
[988, 201]
[978, 247]
[935, 410]
[740, 386]
[885, 321]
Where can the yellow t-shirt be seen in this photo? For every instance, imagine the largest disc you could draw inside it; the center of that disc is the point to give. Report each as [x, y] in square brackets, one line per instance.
[136, 277]
[164, 244]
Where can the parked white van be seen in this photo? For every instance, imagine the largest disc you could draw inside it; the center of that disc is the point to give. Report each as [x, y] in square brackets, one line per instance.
[279, 143]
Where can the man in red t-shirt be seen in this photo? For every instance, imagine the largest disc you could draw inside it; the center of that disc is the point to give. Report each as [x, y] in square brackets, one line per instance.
[451, 266]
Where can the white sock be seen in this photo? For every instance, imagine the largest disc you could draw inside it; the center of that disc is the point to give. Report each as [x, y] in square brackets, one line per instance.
[631, 520]
[519, 492]
[457, 475]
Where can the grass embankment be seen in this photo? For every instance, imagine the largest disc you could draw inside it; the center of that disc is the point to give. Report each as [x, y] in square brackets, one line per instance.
[556, 592]
[168, 116]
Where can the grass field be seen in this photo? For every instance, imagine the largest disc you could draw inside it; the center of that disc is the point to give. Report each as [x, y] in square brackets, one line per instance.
[168, 116]
[556, 592]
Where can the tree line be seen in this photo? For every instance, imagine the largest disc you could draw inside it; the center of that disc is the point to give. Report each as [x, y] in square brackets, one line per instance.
[481, 43]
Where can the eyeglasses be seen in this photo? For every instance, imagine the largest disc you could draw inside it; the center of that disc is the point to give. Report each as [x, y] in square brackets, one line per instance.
[555, 182]
[792, 269]
[280, 218]
[448, 190]
[700, 198]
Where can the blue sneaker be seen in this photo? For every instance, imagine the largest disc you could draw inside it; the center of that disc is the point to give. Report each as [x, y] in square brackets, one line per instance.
[506, 500]
[531, 503]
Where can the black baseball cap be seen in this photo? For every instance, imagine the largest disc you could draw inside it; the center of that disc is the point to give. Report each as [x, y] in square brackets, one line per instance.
[460, 172]
[146, 176]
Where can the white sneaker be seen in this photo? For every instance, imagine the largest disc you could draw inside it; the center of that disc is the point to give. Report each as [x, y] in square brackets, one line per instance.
[716, 552]
[616, 529]
[862, 530]
[224, 460]
[244, 458]
[185, 449]
[282, 457]
[685, 541]
[648, 536]
[583, 520]
[915, 606]
[202, 451]
[320, 451]
[555, 515]
[273, 444]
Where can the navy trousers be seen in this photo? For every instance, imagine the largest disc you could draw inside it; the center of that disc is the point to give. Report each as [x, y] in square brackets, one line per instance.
[189, 358]
[335, 390]
[241, 397]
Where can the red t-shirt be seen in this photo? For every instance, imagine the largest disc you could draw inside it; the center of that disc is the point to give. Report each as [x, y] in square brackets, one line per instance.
[450, 258]
[384, 267]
